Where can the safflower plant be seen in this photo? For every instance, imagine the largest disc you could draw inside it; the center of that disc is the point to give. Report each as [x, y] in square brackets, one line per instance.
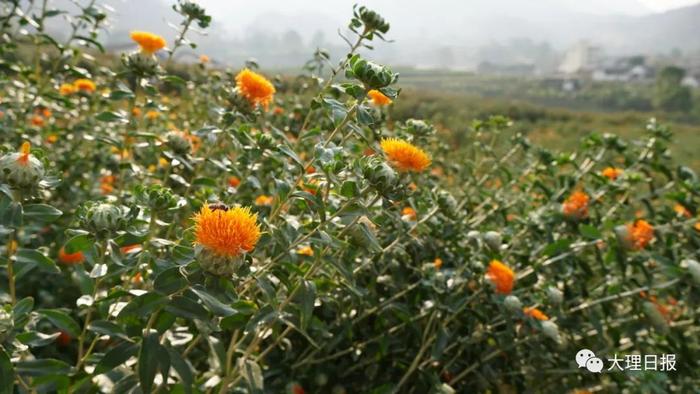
[230, 231]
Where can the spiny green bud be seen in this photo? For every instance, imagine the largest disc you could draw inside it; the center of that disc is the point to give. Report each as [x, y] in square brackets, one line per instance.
[493, 240]
[694, 269]
[372, 75]
[513, 303]
[370, 19]
[141, 64]
[447, 203]
[419, 128]
[156, 197]
[363, 231]
[555, 295]
[444, 389]
[379, 174]
[551, 330]
[178, 142]
[21, 170]
[104, 217]
[218, 264]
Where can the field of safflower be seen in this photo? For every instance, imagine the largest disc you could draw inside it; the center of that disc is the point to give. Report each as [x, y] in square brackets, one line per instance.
[234, 232]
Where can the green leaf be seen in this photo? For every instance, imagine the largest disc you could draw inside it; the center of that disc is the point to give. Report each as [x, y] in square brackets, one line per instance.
[557, 247]
[187, 308]
[116, 356]
[41, 212]
[183, 370]
[78, 243]
[7, 373]
[307, 298]
[291, 154]
[142, 305]
[148, 361]
[211, 302]
[31, 256]
[43, 367]
[105, 327]
[169, 281]
[61, 320]
[112, 117]
[589, 231]
[252, 374]
[37, 339]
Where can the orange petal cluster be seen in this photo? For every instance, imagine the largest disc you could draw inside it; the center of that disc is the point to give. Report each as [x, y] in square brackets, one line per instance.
[226, 232]
[404, 155]
[501, 276]
[255, 88]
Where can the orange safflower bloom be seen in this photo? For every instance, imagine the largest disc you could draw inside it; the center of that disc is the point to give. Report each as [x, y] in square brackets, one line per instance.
[84, 85]
[576, 205]
[148, 42]
[409, 213]
[70, 258]
[255, 88]
[203, 59]
[305, 251]
[52, 138]
[25, 151]
[67, 89]
[437, 263]
[278, 111]
[126, 249]
[152, 115]
[682, 211]
[697, 226]
[640, 233]
[46, 112]
[264, 201]
[137, 278]
[136, 112]
[378, 98]
[404, 155]
[501, 276]
[612, 173]
[228, 232]
[38, 121]
[535, 313]
[233, 181]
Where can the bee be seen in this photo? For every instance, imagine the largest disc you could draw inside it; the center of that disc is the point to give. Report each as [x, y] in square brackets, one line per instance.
[218, 206]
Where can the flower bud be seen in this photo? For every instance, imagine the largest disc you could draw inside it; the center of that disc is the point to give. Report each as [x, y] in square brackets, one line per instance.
[447, 203]
[372, 75]
[104, 217]
[321, 379]
[555, 295]
[694, 269]
[380, 174]
[178, 142]
[623, 236]
[141, 64]
[655, 317]
[21, 170]
[493, 240]
[551, 330]
[419, 128]
[513, 303]
[218, 264]
[444, 388]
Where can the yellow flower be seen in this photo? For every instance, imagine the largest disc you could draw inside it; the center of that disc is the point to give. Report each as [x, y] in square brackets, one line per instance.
[84, 85]
[437, 263]
[226, 232]
[612, 173]
[404, 155]
[378, 98]
[263, 200]
[67, 89]
[305, 251]
[148, 42]
[501, 276]
[255, 88]
[576, 205]
[152, 115]
[640, 233]
[535, 313]
[408, 213]
[682, 211]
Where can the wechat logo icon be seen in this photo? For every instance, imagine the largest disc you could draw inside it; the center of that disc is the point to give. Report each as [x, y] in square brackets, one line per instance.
[586, 359]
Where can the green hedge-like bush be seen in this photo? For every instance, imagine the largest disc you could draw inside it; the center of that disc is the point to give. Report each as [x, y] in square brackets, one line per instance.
[221, 231]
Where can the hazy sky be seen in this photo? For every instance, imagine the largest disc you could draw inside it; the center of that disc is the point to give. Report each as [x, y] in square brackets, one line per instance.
[662, 5]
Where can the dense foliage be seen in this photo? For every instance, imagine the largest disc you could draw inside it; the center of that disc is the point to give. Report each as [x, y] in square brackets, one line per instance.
[219, 231]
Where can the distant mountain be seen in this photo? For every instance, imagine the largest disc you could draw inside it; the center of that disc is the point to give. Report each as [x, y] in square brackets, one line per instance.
[450, 33]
